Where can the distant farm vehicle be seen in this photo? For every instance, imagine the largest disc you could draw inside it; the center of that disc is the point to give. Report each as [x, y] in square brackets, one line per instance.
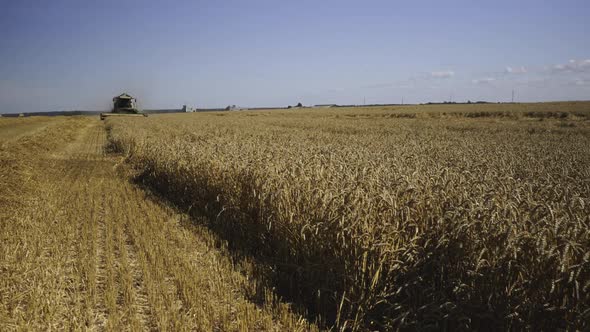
[123, 105]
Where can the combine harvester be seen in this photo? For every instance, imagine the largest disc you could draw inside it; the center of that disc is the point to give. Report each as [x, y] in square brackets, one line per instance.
[123, 105]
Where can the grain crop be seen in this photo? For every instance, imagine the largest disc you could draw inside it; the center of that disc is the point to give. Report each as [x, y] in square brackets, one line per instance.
[83, 248]
[417, 217]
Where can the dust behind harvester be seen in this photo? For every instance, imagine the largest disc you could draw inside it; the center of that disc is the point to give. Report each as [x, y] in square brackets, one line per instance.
[123, 105]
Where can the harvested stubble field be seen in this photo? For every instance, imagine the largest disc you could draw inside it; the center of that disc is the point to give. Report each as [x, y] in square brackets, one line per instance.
[451, 217]
[82, 248]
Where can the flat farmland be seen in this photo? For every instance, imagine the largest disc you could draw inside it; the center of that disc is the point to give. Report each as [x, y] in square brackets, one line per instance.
[12, 129]
[83, 248]
[439, 217]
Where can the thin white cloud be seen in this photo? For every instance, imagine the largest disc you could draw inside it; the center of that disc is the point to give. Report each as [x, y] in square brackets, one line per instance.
[582, 82]
[442, 74]
[517, 70]
[540, 82]
[572, 66]
[377, 85]
[484, 81]
[397, 85]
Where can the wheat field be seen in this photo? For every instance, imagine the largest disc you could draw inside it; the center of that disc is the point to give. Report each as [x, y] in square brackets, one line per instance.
[83, 248]
[432, 217]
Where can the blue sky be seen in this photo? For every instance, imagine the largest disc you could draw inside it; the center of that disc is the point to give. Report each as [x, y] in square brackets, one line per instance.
[61, 55]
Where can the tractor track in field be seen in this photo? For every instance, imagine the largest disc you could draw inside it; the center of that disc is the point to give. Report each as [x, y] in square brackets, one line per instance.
[110, 256]
[118, 294]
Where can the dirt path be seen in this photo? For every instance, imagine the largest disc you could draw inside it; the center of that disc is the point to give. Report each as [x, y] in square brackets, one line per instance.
[93, 251]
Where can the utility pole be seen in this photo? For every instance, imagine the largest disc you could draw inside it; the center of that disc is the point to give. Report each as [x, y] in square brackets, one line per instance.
[402, 100]
[364, 101]
[513, 95]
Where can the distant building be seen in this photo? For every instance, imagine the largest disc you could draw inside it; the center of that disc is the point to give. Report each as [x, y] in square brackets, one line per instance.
[188, 109]
[325, 105]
